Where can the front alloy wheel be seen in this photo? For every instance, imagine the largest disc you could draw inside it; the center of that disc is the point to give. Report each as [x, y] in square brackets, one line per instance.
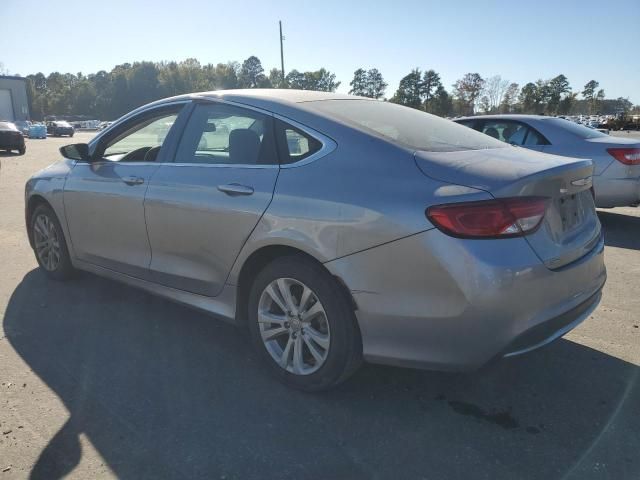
[293, 326]
[47, 243]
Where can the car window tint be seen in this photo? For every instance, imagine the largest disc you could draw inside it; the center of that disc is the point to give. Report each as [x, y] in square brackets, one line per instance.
[573, 128]
[403, 125]
[295, 145]
[505, 131]
[534, 138]
[224, 134]
[140, 137]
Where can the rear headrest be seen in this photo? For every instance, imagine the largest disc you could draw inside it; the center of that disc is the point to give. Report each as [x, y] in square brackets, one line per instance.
[244, 146]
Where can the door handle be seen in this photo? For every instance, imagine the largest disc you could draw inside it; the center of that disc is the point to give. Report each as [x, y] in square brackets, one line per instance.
[234, 189]
[133, 180]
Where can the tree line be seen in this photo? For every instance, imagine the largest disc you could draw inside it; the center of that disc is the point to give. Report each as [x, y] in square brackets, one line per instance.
[108, 95]
[473, 94]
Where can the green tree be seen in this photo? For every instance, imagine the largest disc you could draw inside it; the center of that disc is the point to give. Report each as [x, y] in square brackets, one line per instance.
[296, 80]
[567, 103]
[429, 88]
[441, 104]
[359, 83]
[529, 97]
[510, 98]
[409, 91]
[558, 87]
[589, 90]
[376, 86]
[467, 90]
[251, 74]
[227, 75]
[321, 80]
[275, 78]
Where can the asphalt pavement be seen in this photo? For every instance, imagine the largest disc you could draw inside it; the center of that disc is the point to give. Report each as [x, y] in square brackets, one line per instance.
[100, 380]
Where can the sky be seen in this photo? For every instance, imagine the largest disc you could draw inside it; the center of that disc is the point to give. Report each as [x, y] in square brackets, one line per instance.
[521, 41]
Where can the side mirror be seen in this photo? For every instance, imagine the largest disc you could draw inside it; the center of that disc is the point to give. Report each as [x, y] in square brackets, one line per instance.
[76, 151]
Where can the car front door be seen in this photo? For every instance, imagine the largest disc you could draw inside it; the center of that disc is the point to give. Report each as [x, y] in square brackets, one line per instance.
[201, 208]
[104, 198]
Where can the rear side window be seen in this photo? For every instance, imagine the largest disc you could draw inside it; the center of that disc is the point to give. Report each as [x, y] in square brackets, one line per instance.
[535, 138]
[515, 133]
[294, 144]
[406, 126]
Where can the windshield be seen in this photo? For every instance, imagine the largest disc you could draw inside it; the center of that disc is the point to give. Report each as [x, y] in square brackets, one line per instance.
[63, 124]
[574, 128]
[412, 128]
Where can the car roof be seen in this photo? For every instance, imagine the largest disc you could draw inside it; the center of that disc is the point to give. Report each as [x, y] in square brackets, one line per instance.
[511, 116]
[269, 98]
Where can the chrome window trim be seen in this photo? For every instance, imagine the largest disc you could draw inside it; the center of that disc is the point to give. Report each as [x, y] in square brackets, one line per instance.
[128, 116]
[108, 162]
[328, 144]
[219, 165]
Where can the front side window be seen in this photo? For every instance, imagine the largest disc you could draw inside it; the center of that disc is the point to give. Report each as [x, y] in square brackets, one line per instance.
[141, 138]
[407, 126]
[225, 134]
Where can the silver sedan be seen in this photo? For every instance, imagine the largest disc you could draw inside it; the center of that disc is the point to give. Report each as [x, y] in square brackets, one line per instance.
[616, 160]
[337, 228]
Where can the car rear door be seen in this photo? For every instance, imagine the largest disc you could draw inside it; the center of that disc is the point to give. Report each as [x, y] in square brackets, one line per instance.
[201, 208]
[104, 198]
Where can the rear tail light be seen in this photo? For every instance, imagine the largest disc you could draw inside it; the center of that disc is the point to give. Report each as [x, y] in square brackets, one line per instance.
[628, 156]
[502, 218]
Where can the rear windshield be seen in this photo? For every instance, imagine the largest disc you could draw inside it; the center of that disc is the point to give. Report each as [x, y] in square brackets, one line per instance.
[574, 128]
[409, 127]
[63, 124]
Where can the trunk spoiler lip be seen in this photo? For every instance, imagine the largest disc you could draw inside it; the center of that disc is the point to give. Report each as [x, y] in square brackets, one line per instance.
[482, 175]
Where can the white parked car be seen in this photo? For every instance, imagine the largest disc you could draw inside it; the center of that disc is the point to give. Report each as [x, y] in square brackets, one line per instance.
[616, 178]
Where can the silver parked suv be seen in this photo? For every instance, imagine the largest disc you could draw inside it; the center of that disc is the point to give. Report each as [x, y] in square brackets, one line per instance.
[337, 228]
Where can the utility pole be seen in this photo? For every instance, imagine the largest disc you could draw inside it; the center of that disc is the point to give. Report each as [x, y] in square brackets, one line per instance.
[281, 52]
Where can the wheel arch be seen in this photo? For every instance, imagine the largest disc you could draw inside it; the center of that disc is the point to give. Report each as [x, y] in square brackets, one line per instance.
[34, 202]
[261, 257]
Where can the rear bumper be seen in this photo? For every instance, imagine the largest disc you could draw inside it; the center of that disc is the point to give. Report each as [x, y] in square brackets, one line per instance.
[546, 332]
[615, 189]
[12, 142]
[432, 301]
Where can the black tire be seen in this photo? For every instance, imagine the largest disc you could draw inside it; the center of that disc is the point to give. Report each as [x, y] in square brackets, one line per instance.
[22, 150]
[64, 269]
[71, 135]
[344, 354]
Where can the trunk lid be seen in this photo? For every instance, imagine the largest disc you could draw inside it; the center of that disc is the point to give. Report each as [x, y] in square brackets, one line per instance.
[570, 228]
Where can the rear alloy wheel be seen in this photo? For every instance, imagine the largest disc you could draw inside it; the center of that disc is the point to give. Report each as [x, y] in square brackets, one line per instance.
[303, 325]
[49, 244]
[293, 326]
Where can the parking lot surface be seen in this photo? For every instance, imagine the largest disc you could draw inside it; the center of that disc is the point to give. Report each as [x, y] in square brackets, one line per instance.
[99, 380]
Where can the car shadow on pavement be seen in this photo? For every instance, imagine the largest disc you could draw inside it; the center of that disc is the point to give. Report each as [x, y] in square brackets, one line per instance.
[163, 391]
[622, 231]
